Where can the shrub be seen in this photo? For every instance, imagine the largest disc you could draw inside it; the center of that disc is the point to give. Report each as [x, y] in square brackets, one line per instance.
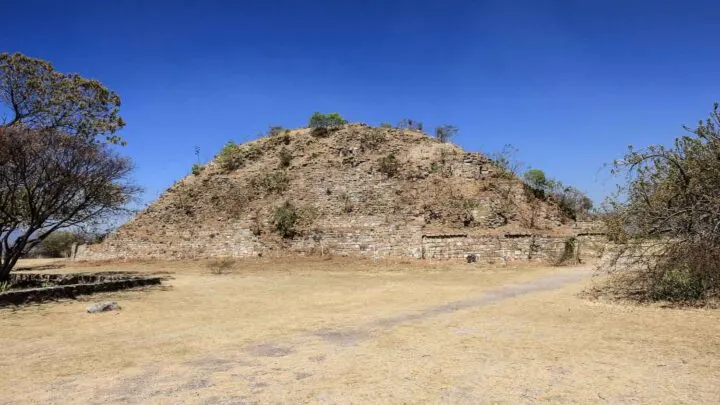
[275, 130]
[536, 179]
[445, 133]
[408, 123]
[196, 169]
[385, 125]
[670, 201]
[228, 158]
[507, 162]
[321, 132]
[320, 120]
[271, 182]
[221, 266]
[233, 156]
[389, 165]
[371, 140]
[284, 220]
[57, 244]
[285, 157]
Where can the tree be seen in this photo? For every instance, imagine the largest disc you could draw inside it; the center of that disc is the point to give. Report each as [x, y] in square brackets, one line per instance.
[670, 201]
[49, 181]
[536, 179]
[507, 162]
[57, 244]
[445, 133]
[38, 97]
[320, 120]
[572, 201]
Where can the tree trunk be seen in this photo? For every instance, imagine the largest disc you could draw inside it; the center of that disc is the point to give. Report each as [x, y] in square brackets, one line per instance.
[9, 260]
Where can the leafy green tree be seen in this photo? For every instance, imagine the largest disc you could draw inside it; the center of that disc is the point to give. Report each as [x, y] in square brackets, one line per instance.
[445, 133]
[320, 120]
[38, 97]
[57, 244]
[536, 178]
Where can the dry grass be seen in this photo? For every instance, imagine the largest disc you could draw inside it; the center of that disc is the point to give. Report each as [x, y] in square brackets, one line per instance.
[344, 331]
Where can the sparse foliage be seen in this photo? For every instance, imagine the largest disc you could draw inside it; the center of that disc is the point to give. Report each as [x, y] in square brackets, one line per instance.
[389, 165]
[285, 157]
[507, 162]
[445, 133]
[196, 169]
[408, 123]
[40, 98]
[275, 182]
[275, 130]
[671, 200]
[50, 180]
[385, 125]
[372, 139]
[221, 266]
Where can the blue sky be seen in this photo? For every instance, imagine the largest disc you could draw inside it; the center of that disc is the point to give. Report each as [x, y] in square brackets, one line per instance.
[568, 83]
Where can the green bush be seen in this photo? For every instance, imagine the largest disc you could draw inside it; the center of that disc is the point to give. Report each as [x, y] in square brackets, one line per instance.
[385, 125]
[679, 284]
[320, 120]
[57, 244]
[229, 159]
[233, 156]
[284, 220]
[389, 165]
[196, 169]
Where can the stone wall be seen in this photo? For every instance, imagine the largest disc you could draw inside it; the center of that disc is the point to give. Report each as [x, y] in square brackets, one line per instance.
[378, 242]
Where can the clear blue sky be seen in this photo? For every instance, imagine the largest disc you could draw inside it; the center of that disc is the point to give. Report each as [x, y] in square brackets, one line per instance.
[569, 83]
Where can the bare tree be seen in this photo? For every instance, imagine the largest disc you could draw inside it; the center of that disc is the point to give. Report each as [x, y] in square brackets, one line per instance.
[445, 133]
[50, 180]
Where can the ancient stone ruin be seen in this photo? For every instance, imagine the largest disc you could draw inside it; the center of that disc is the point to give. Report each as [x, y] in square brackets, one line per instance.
[353, 191]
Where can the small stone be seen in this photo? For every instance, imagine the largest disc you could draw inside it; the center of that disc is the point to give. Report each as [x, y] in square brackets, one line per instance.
[103, 307]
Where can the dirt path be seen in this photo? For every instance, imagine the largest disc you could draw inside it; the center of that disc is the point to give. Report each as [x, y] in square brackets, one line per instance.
[384, 338]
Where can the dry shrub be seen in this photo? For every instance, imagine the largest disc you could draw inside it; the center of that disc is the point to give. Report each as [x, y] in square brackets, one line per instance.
[672, 271]
[668, 212]
[221, 266]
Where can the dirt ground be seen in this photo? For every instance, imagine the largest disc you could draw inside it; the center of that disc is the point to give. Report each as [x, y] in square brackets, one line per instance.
[356, 332]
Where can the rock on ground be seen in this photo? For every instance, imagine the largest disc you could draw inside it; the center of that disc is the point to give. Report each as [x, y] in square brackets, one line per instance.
[103, 307]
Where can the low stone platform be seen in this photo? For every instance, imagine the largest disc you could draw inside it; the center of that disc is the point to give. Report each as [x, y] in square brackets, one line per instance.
[31, 287]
